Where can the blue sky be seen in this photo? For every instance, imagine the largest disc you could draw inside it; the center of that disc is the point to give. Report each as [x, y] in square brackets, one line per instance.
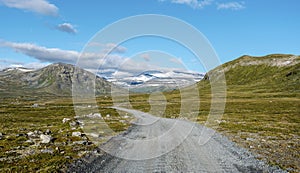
[34, 33]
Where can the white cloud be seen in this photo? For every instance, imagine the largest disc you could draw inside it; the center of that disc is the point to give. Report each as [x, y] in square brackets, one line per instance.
[192, 3]
[88, 60]
[66, 27]
[37, 6]
[42, 53]
[231, 5]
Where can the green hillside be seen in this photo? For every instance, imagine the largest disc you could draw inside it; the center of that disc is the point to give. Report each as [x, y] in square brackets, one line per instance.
[262, 106]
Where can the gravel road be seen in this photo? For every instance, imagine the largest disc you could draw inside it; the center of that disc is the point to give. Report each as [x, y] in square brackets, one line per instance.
[155, 144]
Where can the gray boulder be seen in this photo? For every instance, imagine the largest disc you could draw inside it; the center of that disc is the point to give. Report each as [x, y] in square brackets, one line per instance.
[45, 139]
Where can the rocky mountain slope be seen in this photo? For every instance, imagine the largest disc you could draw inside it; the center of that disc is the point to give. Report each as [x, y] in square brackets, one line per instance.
[55, 79]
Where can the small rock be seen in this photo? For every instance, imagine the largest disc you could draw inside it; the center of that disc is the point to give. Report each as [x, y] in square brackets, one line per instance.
[74, 123]
[1, 135]
[251, 146]
[107, 116]
[82, 153]
[38, 132]
[68, 157]
[30, 141]
[249, 139]
[78, 134]
[126, 116]
[45, 139]
[122, 121]
[48, 150]
[20, 134]
[65, 120]
[48, 132]
[35, 105]
[31, 134]
[80, 142]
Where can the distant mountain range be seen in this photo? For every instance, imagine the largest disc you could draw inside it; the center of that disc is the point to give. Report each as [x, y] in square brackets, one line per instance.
[155, 80]
[274, 72]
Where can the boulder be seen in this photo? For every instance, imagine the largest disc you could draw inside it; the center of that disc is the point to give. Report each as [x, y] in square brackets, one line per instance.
[48, 132]
[45, 139]
[65, 120]
[78, 134]
[31, 134]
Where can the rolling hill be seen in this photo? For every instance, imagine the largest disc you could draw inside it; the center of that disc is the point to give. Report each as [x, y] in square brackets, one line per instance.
[262, 106]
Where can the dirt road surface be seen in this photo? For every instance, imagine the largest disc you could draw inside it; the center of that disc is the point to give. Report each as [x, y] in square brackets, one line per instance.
[155, 144]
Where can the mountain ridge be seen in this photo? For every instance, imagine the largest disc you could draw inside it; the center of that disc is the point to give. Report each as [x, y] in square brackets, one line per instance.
[54, 79]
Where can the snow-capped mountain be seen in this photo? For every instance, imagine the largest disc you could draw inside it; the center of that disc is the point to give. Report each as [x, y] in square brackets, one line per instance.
[20, 69]
[154, 80]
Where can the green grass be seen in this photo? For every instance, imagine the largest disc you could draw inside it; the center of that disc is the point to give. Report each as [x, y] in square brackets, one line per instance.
[19, 117]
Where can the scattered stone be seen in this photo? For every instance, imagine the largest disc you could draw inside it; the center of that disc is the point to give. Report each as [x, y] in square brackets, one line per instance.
[45, 139]
[30, 141]
[31, 134]
[48, 132]
[1, 136]
[122, 121]
[126, 116]
[74, 123]
[48, 150]
[35, 105]
[65, 120]
[20, 147]
[80, 142]
[251, 146]
[107, 116]
[38, 132]
[249, 139]
[20, 135]
[82, 153]
[94, 115]
[78, 134]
